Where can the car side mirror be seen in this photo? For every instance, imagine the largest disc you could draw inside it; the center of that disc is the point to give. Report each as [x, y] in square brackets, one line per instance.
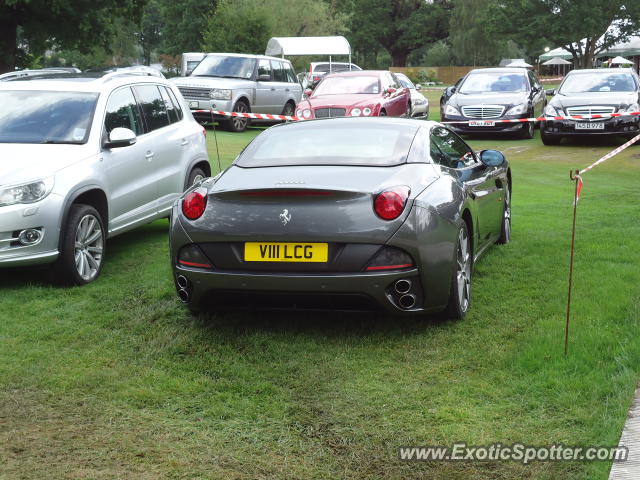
[390, 90]
[418, 86]
[492, 158]
[308, 92]
[120, 137]
[550, 93]
[265, 77]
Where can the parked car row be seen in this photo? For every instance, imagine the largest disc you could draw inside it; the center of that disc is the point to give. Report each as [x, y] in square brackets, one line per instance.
[484, 97]
[263, 84]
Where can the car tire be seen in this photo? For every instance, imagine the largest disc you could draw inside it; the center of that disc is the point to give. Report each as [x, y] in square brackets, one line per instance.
[527, 132]
[505, 228]
[549, 139]
[289, 109]
[197, 174]
[460, 291]
[382, 113]
[238, 124]
[82, 247]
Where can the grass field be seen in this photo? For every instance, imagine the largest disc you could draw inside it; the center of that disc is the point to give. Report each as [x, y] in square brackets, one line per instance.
[117, 380]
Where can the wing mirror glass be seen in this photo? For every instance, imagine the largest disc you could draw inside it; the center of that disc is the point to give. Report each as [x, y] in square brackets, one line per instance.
[492, 158]
[265, 77]
[120, 137]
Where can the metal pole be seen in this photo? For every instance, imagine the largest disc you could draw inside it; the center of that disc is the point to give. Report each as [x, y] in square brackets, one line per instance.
[573, 240]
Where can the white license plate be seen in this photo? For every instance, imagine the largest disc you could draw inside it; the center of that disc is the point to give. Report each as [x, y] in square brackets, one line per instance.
[482, 123]
[195, 105]
[590, 126]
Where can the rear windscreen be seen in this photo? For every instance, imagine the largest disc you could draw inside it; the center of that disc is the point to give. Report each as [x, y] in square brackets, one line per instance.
[334, 143]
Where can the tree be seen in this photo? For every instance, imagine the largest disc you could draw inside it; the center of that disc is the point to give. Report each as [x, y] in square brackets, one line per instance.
[400, 26]
[584, 27]
[185, 24]
[77, 24]
[471, 43]
[149, 33]
[229, 27]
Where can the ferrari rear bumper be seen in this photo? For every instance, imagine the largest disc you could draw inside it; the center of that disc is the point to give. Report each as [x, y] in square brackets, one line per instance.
[396, 292]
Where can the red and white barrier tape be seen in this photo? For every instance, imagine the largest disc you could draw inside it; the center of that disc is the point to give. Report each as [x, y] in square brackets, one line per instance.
[613, 153]
[268, 116]
[258, 116]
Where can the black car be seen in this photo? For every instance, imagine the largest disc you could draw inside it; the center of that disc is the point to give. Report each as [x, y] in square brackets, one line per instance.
[592, 92]
[490, 94]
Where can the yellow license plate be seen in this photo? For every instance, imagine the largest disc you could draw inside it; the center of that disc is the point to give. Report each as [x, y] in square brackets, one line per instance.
[286, 252]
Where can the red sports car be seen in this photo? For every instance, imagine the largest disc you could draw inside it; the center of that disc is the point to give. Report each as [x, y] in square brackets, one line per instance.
[364, 93]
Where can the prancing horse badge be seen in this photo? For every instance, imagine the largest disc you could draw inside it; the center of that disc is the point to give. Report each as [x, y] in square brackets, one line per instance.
[285, 216]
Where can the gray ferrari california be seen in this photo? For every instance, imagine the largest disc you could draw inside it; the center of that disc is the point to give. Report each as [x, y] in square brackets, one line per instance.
[343, 214]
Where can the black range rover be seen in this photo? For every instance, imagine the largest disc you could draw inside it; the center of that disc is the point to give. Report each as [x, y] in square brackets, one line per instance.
[589, 92]
[486, 95]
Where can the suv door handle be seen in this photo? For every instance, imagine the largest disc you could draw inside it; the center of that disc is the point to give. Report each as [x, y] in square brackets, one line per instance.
[149, 156]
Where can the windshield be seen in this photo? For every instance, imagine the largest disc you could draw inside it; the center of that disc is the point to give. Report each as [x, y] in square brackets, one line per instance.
[348, 85]
[405, 82]
[494, 82]
[371, 145]
[335, 67]
[226, 67]
[598, 82]
[46, 116]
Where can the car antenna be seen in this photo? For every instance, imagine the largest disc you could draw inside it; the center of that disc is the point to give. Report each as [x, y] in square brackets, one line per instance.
[215, 137]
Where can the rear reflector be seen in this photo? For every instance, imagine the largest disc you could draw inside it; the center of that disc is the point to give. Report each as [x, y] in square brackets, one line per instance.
[194, 264]
[390, 267]
[192, 256]
[390, 258]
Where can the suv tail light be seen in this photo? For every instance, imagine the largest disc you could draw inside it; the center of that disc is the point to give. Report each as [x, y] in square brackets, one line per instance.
[194, 203]
[390, 203]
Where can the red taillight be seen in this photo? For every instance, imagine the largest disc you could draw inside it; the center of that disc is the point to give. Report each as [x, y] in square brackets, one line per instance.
[390, 203]
[194, 204]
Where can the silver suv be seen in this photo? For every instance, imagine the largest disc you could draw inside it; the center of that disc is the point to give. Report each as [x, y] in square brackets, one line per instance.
[232, 82]
[85, 158]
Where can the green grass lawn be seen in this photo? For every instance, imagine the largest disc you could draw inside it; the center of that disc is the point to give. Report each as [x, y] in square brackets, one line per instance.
[117, 380]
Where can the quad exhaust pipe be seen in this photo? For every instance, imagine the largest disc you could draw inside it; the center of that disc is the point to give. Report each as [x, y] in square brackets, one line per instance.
[183, 285]
[407, 301]
[403, 286]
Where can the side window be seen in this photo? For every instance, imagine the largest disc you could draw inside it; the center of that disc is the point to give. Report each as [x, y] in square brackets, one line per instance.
[153, 106]
[264, 68]
[291, 74]
[536, 82]
[454, 153]
[279, 75]
[395, 83]
[171, 109]
[122, 111]
[419, 152]
[176, 103]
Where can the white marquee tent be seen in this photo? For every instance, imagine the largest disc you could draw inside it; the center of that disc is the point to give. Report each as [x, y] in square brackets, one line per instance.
[287, 46]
